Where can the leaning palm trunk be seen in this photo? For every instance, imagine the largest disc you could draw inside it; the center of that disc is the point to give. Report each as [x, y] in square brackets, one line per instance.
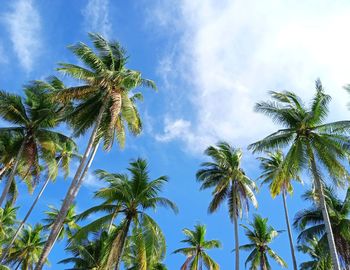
[20, 227]
[115, 255]
[92, 156]
[323, 206]
[12, 174]
[295, 267]
[110, 226]
[235, 221]
[5, 168]
[71, 194]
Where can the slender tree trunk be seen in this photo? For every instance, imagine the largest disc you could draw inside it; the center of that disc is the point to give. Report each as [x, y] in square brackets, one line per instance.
[54, 242]
[28, 214]
[262, 262]
[323, 206]
[235, 224]
[12, 174]
[71, 193]
[5, 168]
[88, 165]
[112, 220]
[114, 257]
[295, 267]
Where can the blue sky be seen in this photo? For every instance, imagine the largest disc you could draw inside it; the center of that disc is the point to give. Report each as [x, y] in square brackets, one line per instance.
[212, 60]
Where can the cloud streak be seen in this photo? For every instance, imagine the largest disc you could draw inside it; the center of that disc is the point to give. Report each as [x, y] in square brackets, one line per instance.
[96, 14]
[234, 52]
[24, 25]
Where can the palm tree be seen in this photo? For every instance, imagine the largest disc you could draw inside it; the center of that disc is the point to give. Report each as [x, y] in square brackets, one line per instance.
[144, 250]
[26, 250]
[311, 223]
[230, 183]
[196, 251]
[68, 149]
[134, 195]
[69, 226]
[9, 146]
[7, 222]
[319, 253]
[34, 119]
[315, 145]
[260, 236]
[105, 104]
[279, 182]
[89, 254]
[10, 143]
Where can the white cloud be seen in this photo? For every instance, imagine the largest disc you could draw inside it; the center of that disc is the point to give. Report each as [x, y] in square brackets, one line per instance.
[24, 25]
[90, 180]
[96, 15]
[174, 129]
[234, 52]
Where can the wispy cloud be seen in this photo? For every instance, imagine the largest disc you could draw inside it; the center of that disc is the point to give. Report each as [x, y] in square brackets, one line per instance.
[24, 25]
[96, 15]
[90, 180]
[235, 51]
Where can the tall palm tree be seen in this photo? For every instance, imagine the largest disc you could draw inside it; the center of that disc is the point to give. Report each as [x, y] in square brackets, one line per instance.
[313, 144]
[134, 195]
[230, 183]
[319, 253]
[105, 103]
[34, 119]
[26, 250]
[280, 182]
[68, 149]
[310, 222]
[196, 251]
[144, 250]
[260, 236]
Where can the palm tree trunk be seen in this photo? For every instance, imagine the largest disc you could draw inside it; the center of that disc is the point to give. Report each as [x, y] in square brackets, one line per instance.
[323, 206]
[12, 174]
[71, 193]
[88, 165]
[112, 220]
[5, 168]
[28, 214]
[262, 262]
[54, 242]
[235, 224]
[295, 267]
[114, 257]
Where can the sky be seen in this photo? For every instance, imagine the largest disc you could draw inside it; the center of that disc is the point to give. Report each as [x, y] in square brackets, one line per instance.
[212, 61]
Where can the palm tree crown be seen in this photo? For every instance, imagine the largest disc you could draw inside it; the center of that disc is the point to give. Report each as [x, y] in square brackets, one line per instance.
[196, 252]
[108, 84]
[230, 183]
[130, 198]
[27, 248]
[313, 143]
[319, 253]
[34, 119]
[260, 236]
[310, 222]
